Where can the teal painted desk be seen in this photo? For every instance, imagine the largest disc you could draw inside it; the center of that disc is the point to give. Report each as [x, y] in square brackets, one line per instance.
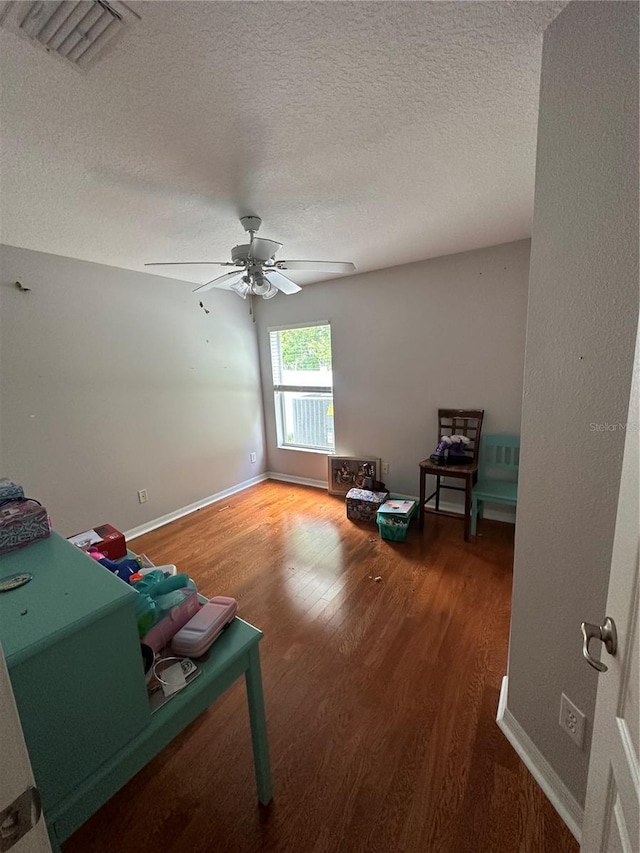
[72, 650]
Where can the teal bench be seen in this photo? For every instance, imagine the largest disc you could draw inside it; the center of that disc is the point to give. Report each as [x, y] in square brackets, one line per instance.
[497, 476]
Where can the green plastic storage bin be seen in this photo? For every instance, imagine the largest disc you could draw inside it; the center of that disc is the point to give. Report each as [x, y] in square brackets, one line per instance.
[393, 528]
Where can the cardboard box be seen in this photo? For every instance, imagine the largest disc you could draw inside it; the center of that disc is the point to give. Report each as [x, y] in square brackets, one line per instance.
[105, 538]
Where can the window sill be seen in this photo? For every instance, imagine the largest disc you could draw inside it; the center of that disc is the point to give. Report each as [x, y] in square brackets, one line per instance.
[306, 449]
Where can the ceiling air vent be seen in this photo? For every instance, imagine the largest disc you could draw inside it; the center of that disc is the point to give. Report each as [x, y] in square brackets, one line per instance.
[77, 32]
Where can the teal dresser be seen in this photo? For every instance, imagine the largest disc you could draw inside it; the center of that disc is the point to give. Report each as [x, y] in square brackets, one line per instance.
[73, 653]
[71, 644]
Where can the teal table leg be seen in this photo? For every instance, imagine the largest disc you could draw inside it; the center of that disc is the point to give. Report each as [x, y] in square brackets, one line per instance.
[258, 722]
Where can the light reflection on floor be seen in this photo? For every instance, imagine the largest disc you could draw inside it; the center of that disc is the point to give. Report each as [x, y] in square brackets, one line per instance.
[313, 562]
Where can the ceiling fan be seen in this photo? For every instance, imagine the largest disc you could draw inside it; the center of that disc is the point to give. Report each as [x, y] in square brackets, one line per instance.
[257, 272]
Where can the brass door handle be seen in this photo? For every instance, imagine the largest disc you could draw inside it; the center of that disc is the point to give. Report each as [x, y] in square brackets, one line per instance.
[606, 633]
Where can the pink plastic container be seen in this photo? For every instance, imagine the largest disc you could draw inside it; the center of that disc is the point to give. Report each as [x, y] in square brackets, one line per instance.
[161, 634]
[199, 633]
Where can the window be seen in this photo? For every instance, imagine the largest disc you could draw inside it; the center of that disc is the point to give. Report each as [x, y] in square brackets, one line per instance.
[303, 386]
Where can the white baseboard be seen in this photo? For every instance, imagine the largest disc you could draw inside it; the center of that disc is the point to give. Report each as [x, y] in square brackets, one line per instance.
[495, 514]
[300, 481]
[491, 513]
[148, 526]
[505, 514]
[554, 788]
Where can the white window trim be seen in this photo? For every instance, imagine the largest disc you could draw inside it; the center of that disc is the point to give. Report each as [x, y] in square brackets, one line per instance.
[298, 326]
[305, 389]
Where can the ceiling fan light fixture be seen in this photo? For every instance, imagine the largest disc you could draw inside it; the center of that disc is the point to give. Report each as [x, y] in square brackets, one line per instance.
[273, 291]
[261, 286]
[242, 287]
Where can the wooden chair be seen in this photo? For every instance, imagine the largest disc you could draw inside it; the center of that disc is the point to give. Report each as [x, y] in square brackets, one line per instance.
[498, 475]
[467, 422]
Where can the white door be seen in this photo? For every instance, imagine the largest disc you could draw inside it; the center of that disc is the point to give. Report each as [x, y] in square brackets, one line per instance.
[613, 791]
[15, 772]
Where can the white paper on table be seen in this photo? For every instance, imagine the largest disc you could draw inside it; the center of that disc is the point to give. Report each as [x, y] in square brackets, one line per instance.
[83, 540]
[173, 679]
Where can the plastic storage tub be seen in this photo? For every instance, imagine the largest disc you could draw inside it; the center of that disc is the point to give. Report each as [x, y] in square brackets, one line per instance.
[392, 527]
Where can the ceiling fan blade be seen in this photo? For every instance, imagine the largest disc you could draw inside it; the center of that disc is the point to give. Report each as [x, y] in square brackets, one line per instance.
[284, 284]
[225, 281]
[190, 263]
[318, 266]
[261, 249]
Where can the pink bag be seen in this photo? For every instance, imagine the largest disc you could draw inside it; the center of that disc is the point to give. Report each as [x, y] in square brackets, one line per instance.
[198, 634]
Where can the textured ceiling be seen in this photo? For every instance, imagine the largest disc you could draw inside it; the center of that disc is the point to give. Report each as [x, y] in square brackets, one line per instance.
[380, 133]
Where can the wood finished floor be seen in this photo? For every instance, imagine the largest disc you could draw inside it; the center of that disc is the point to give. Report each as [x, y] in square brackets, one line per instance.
[381, 696]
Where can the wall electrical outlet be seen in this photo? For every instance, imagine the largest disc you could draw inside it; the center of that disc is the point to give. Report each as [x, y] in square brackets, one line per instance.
[572, 720]
[143, 497]
[253, 457]
[385, 467]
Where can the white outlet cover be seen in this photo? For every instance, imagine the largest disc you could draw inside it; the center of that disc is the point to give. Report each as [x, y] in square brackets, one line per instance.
[572, 720]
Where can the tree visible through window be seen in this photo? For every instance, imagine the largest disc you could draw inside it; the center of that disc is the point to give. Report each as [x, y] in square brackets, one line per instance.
[303, 387]
[306, 349]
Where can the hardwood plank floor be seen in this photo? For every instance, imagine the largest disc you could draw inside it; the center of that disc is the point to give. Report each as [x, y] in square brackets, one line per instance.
[381, 696]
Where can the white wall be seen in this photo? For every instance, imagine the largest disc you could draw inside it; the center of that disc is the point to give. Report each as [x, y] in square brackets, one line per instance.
[447, 332]
[583, 311]
[113, 381]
